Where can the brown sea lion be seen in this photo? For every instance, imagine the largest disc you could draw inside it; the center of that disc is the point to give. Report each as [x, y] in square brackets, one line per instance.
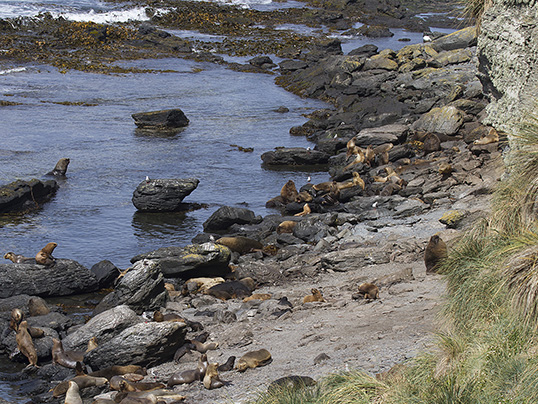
[288, 193]
[159, 317]
[199, 285]
[445, 168]
[316, 296]
[25, 343]
[351, 147]
[16, 317]
[212, 379]
[228, 365]
[60, 168]
[65, 358]
[44, 257]
[358, 159]
[304, 196]
[306, 210]
[253, 359]
[72, 395]
[286, 226]
[82, 381]
[369, 155]
[435, 252]
[123, 383]
[37, 307]
[204, 347]
[18, 259]
[369, 291]
[111, 371]
[92, 344]
[491, 137]
[233, 289]
[240, 244]
[257, 296]
[189, 376]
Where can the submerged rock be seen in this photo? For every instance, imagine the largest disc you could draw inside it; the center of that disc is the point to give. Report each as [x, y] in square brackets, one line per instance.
[165, 119]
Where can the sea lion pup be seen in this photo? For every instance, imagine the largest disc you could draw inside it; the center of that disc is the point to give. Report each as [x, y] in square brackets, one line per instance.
[122, 383]
[67, 359]
[18, 259]
[92, 344]
[286, 226]
[253, 359]
[204, 347]
[82, 381]
[304, 196]
[306, 210]
[16, 317]
[491, 137]
[257, 296]
[369, 291]
[358, 159]
[291, 382]
[212, 379]
[60, 168]
[44, 257]
[159, 317]
[37, 307]
[435, 252]
[228, 365]
[72, 395]
[316, 296]
[115, 370]
[189, 376]
[240, 244]
[25, 343]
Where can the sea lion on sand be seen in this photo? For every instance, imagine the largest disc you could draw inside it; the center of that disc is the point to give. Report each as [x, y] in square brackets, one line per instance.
[122, 383]
[316, 296]
[257, 296]
[37, 307]
[204, 347]
[65, 358]
[25, 343]
[18, 259]
[369, 291]
[189, 376]
[240, 244]
[306, 210]
[435, 252]
[111, 371]
[253, 359]
[60, 168]
[228, 365]
[211, 378]
[291, 382]
[44, 257]
[82, 381]
[286, 226]
[72, 396]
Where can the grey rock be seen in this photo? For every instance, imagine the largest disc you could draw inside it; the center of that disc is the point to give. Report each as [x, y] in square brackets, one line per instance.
[23, 195]
[294, 156]
[164, 119]
[464, 38]
[105, 272]
[384, 134]
[446, 120]
[226, 216]
[163, 195]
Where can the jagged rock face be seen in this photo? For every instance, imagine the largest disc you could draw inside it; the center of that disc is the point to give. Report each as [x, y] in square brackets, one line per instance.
[508, 68]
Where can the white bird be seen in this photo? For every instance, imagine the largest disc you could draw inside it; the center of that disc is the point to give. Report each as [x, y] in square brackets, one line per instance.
[212, 238]
[374, 205]
[147, 179]
[308, 179]
[426, 38]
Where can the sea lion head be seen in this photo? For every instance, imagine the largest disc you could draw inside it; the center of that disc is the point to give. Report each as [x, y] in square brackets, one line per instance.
[49, 248]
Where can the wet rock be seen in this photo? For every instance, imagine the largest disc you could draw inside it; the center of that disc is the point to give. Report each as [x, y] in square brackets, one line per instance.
[164, 119]
[105, 272]
[375, 31]
[364, 51]
[144, 344]
[208, 259]
[64, 278]
[263, 62]
[141, 288]
[294, 156]
[226, 216]
[287, 66]
[20, 196]
[163, 195]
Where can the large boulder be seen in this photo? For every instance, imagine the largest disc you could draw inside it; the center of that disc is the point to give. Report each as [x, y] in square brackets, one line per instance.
[164, 119]
[227, 216]
[294, 156]
[163, 195]
[394, 133]
[446, 121]
[22, 195]
[208, 259]
[464, 38]
[141, 288]
[145, 344]
[64, 278]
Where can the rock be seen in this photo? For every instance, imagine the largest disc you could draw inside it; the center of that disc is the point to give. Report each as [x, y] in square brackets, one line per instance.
[208, 259]
[445, 120]
[394, 133]
[263, 62]
[292, 65]
[464, 38]
[226, 216]
[144, 344]
[105, 272]
[452, 57]
[375, 31]
[365, 51]
[104, 326]
[23, 195]
[165, 119]
[380, 62]
[294, 156]
[141, 288]
[310, 230]
[64, 278]
[163, 195]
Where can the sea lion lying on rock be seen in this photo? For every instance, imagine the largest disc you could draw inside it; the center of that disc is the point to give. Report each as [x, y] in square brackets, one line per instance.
[368, 291]
[18, 259]
[44, 256]
[240, 244]
[82, 381]
[65, 358]
[253, 359]
[122, 383]
[115, 370]
[37, 307]
[189, 376]
[199, 285]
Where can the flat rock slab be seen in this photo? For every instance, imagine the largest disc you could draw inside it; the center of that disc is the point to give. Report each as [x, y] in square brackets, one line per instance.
[163, 195]
[294, 156]
[164, 119]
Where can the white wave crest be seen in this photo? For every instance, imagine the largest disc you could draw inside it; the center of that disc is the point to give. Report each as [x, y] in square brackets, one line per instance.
[134, 14]
[13, 70]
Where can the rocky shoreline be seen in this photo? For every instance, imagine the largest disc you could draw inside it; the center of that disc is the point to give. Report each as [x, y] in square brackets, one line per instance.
[408, 157]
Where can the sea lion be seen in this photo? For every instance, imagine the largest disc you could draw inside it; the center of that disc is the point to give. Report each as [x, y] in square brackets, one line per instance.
[358, 159]
[189, 376]
[122, 383]
[159, 317]
[199, 285]
[25, 343]
[369, 155]
[233, 289]
[65, 358]
[111, 371]
[44, 257]
[316, 296]
[253, 359]
[204, 347]
[369, 291]
[304, 196]
[384, 148]
[82, 381]
[257, 296]
[37, 307]
[288, 193]
[435, 252]
[286, 226]
[60, 168]
[291, 382]
[228, 365]
[445, 168]
[18, 259]
[211, 378]
[240, 244]
[16, 317]
[491, 137]
[306, 210]
[351, 147]
[72, 395]
[92, 344]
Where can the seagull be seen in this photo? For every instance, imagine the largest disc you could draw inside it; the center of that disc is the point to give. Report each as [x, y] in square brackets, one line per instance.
[212, 238]
[308, 149]
[308, 179]
[374, 205]
[426, 38]
[147, 179]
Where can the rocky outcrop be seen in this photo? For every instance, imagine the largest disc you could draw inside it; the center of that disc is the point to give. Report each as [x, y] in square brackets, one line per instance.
[508, 68]
[163, 195]
[64, 278]
[165, 119]
[20, 196]
[227, 216]
[294, 156]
